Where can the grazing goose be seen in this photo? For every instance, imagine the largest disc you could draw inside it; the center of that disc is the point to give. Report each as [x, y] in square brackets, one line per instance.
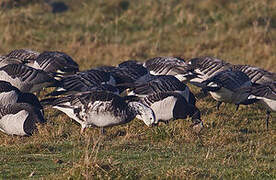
[170, 105]
[170, 66]
[257, 75]
[25, 78]
[101, 109]
[226, 86]
[84, 81]
[206, 67]
[19, 119]
[55, 62]
[266, 93]
[11, 95]
[161, 83]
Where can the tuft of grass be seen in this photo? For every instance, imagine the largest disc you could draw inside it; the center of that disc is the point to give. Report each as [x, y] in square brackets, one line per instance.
[233, 145]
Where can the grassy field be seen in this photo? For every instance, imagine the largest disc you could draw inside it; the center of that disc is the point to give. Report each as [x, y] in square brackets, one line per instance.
[233, 145]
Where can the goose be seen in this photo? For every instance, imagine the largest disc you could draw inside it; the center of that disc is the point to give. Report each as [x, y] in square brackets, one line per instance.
[266, 94]
[161, 83]
[84, 81]
[101, 109]
[175, 66]
[206, 67]
[170, 106]
[25, 78]
[226, 86]
[11, 95]
[19, 119]
[257, 75]
[55, 62]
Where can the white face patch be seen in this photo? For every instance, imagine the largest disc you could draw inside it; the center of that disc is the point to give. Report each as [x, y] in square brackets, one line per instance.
[145, 113]
[212, 84]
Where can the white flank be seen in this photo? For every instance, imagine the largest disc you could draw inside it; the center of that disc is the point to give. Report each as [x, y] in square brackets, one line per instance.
[8, 97]
[163, 110]
[13, 123]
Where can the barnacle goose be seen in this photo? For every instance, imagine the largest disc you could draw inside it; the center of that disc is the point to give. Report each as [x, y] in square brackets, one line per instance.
[11, 95]
[226, 86]
[84, 81]
[25, 78]
[161, 83]
[205, 67]
[266, 93]
[170, 66]
[170, 106]
[101, 109]
[19, 119]
[257, 75]
[55, 61]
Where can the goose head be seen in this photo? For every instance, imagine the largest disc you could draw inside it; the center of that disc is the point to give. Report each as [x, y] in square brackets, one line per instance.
[143, 113]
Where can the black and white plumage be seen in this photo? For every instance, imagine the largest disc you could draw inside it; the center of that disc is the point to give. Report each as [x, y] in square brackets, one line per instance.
[23, 55]
[19, 119]
[101, 109]
[266, 94]
[55, 62]
[206, 67]
[25, 78]
[129, 71]
[18, 56]
[170, 105]
[105, 68]
[11, 95]
[226, 86]
[84, 81]
[161, 83]
[257, 75]
[170, 66]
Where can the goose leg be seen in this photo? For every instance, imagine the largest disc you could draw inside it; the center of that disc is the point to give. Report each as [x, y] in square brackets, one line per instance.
[218, 105]
[267, 118]
[237, 107]
[82, 130]
[103, 131]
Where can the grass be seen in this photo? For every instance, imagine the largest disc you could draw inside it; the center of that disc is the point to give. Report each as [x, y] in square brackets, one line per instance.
[234, 145]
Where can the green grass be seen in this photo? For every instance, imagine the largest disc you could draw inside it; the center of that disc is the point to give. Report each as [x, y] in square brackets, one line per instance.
[233, 145]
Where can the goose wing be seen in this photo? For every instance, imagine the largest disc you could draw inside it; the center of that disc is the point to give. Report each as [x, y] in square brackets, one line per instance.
[167, 65]
[24, 55]
[257, 75]
[52, 61]
[267, 90]
[161, 83]
[229, 79]
[26, 73]
[208, 65]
